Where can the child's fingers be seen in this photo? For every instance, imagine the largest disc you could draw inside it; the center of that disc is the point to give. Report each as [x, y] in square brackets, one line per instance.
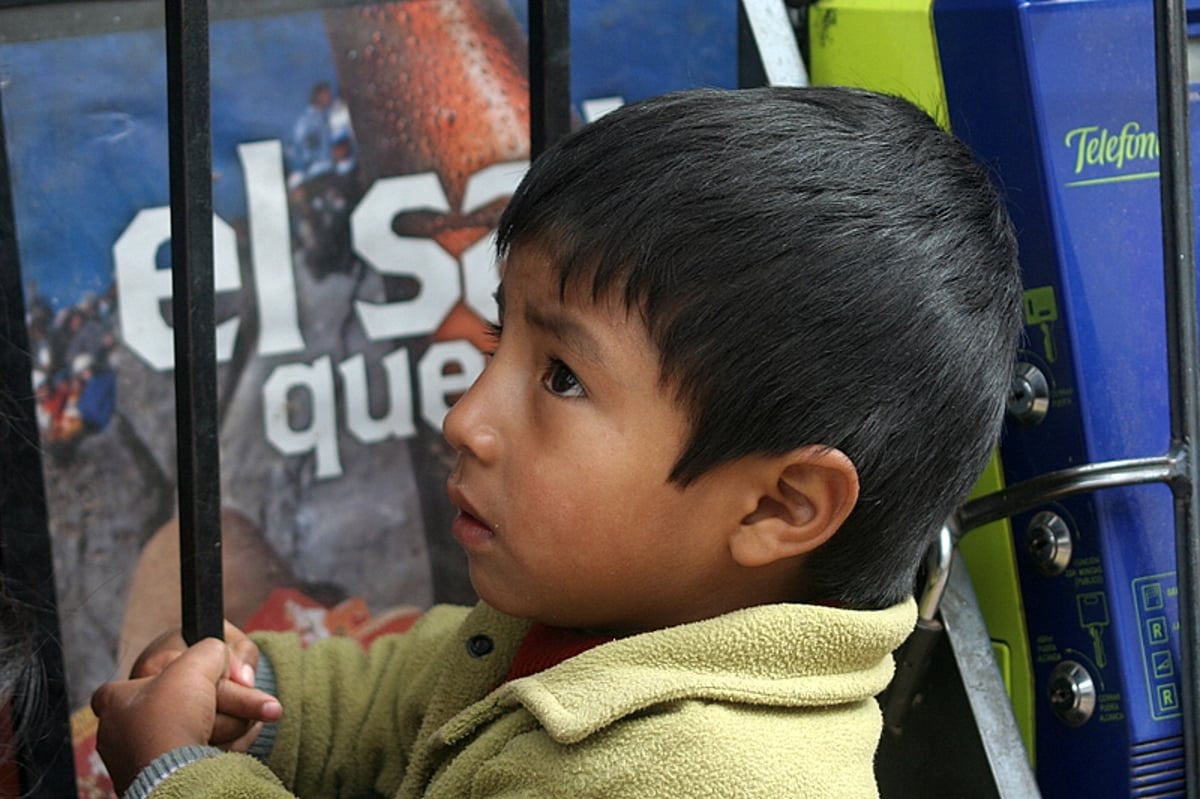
[162, 651]
[243, 743]
[241, 712]
[158, 654]
[245, 703]
[227, 730]
[210, 657]
[112, 694]
[243, 656]
[141, 719]
[155, 663]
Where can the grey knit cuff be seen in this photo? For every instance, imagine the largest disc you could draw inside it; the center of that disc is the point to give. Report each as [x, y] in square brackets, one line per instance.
[264, 680]
[164, 766]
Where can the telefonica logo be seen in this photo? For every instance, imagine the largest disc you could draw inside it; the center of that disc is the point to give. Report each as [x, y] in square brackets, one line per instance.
[1112, 157]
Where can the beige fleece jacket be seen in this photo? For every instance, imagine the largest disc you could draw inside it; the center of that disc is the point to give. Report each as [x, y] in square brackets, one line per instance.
[772, 701]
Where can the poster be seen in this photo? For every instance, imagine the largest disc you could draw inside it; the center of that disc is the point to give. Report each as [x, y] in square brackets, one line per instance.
[362, 153]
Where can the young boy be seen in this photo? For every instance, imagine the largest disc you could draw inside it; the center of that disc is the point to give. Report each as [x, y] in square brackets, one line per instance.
[756, 346]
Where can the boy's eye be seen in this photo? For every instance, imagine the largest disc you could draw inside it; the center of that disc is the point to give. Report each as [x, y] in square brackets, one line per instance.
[560, 380]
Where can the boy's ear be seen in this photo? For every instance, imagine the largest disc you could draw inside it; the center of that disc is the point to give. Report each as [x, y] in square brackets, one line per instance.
[804, 496]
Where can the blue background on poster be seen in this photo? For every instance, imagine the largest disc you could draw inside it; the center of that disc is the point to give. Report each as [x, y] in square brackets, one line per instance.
[85, 118]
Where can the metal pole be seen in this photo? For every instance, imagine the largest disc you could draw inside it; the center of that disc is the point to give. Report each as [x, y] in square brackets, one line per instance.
[1070, 482]
[1183, 351]
[189, 133]
[549, 73]
[971, 646]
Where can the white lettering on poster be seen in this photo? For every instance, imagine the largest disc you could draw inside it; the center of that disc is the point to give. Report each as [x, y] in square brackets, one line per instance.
[142, 286]
[320, 434]
[397, 422]
[392, 254]
[270, 248]
[446, 369]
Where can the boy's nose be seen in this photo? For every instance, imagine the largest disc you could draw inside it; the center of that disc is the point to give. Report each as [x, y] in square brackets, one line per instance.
[467, 427]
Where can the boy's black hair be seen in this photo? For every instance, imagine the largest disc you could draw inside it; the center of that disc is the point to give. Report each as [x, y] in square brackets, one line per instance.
[816, 266]
[22, 681]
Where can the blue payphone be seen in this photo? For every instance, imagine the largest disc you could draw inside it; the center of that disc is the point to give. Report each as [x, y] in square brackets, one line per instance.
[1060, 98]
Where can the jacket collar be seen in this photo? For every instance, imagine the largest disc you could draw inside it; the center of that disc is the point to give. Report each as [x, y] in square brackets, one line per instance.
[789, 656]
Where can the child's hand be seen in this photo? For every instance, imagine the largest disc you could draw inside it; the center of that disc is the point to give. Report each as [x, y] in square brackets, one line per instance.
[243, 655]
[144, 718]
[229, 731]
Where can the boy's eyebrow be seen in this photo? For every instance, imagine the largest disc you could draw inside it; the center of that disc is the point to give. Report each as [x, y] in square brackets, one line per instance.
[567, 330]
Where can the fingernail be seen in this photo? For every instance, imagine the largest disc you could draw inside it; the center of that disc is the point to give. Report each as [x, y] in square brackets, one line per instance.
[272, 710]
[247, 674]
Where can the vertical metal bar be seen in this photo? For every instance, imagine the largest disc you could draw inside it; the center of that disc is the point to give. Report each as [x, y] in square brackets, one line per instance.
[1183, 350]
[986, 694]
[48, 762]
[750, 71]
[549, 73]
[189, 133]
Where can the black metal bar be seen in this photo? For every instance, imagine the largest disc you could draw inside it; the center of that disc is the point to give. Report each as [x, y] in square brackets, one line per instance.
[1183, 349]
[190, 137]
[1064, 483]
[750, 71]
[26, 559]
[549, 73]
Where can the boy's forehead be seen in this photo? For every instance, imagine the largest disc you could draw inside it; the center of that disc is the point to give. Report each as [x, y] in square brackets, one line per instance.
[533, 273]
[528, 261]
[532, 287]
[530, 271]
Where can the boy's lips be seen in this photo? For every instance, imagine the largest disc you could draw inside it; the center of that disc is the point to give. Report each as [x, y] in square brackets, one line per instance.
[469, 531]
[467, 528]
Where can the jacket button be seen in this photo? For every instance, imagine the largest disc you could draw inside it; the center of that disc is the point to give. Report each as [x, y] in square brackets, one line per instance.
[480, 646]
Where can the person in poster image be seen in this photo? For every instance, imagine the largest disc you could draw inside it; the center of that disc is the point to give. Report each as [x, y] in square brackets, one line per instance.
[322, 180]
[693, 484]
